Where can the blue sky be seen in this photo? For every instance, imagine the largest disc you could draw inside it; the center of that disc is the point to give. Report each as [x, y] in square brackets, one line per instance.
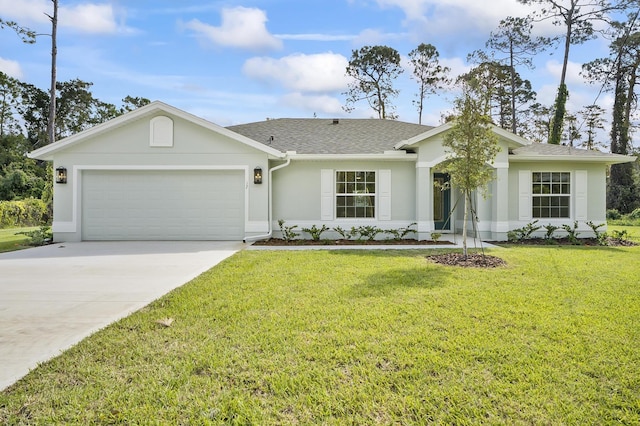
[234, 62]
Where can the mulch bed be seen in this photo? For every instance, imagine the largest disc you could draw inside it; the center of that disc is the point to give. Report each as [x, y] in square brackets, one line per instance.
[341, 242]
[473, 260]
[587, 242]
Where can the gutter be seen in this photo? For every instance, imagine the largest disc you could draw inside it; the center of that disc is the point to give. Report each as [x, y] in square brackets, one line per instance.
[270, 207]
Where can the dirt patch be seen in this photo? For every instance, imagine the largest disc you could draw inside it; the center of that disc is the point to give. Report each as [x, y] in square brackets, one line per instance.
[341, 242]
[473, 260]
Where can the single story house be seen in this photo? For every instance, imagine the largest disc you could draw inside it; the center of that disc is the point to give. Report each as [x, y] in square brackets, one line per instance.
[159, 173]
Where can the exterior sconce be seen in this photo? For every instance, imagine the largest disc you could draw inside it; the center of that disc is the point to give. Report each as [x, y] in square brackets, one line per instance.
[61, 175]
[257, 175]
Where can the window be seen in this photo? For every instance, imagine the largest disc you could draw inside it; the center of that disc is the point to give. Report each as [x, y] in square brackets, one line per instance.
[355, 194]
[551, 194]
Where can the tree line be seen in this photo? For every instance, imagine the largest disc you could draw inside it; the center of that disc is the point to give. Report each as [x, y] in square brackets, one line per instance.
[495, 82]
[24, 120]
[30, 118]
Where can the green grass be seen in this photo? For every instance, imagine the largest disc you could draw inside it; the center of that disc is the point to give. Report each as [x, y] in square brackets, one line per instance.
[9, 241]
[363, 337]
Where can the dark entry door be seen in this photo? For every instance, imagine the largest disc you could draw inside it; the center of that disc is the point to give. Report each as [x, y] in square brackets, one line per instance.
[441, 201]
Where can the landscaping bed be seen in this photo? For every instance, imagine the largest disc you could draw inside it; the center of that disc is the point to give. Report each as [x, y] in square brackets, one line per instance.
[345, 242]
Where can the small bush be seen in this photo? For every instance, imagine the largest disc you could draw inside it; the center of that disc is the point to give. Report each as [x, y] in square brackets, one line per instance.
[315, 232]
[524, 233]
[634, 215]
[551, 229]
[288, 232]
[23, 213]
[346, 235]
[613, 214]
[38, 237]
[400, 233]
[572, 232]
[369, 232]
[435, 236]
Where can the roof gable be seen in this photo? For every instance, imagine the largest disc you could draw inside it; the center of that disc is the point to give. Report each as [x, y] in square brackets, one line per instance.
[47, 152]
[512, 139]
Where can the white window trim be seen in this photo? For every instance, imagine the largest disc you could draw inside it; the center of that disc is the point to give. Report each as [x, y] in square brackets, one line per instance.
[375, 195]
[569, 196]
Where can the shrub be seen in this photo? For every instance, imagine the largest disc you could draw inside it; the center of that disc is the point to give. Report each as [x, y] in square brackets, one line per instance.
[524, 233]
[346, 235]
[613, 214]
[435, 236]
[369, 232]
[572, 232]
[550, 231]
[288, 233]
[634, 214]
[21, 213]
[38, 237]
[400, 233]
[315, 232]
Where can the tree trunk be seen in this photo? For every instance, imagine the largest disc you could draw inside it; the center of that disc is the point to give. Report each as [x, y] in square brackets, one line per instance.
[561, 99]
[467, 197]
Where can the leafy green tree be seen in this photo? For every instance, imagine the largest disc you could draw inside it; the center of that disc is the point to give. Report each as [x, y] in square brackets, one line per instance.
[427, 71]
[129, 103]
[593, 118]
[9, 100]
[620, 73]
[27, 35]
[471, 145]
[581, 20]
[513, 38]
[373, 69]
[495, 83]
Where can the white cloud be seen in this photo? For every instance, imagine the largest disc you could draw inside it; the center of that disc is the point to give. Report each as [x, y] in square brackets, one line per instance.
[317, 104]
[573, 77]
[464, 18]
[11, 68]
[323, 72]
[88, 18]
[241, 27]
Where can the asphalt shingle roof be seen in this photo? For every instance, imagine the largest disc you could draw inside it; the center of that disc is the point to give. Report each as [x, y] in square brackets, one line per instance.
[540, 149]
[325, 136]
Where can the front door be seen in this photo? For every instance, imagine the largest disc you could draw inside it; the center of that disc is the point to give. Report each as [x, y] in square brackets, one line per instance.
[441, 201]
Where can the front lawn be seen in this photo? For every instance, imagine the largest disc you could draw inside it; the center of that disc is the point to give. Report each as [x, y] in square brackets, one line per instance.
[9, 241]
[363, 337]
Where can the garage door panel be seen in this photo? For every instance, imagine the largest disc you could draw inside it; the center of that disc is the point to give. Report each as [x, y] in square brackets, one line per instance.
[162, 205]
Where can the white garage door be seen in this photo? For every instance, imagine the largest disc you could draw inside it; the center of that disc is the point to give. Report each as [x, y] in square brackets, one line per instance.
[162, 205]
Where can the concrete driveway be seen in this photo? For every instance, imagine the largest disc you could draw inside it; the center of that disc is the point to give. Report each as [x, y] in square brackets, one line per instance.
[52, 297]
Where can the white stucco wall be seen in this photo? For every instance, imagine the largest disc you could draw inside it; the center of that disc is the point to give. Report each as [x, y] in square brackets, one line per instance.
[128, 147]
[297, 194]
[595, 193]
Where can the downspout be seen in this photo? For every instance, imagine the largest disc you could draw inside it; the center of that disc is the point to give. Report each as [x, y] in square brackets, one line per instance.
[270, 205]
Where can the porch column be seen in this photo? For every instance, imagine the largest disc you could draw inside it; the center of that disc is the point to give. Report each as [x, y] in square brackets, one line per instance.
[424, 201]
[500, 222]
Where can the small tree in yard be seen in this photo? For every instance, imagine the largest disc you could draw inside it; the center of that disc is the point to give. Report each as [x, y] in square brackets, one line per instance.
[471, 144]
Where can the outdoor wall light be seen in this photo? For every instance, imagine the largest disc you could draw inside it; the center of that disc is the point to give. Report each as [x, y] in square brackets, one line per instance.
[61, 175]
[257, 175]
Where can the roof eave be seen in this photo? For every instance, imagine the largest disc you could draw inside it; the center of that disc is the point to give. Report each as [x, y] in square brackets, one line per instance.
[388, 156]
[613, 159]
